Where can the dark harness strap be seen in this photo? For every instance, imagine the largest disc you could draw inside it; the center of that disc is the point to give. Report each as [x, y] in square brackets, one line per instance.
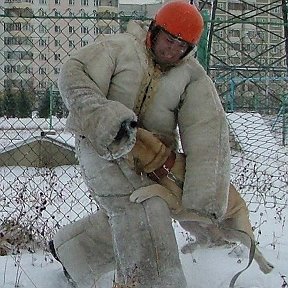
[251, 256]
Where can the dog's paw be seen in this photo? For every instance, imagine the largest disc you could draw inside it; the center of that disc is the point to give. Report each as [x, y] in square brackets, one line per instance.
[189, 247]
[266, 267]
[137, 197]
[141, 194]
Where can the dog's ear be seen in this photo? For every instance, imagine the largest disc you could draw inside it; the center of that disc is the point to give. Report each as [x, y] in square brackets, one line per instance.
[149, 140]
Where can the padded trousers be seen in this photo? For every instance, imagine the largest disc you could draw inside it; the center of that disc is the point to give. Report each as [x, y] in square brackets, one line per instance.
[137, 241]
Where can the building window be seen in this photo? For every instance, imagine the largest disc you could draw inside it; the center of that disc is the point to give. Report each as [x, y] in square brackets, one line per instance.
[71, 2]
[41, 13]
[8, 69]
[114, 29]
[236, 46]
[42, 42]
[84, 14]
[42, 70]
[275, 37]
[217, 47]
[251, 33]
[42, 85]
[71, 44]
[27, 27]
[17, 40]
[222, 6]
[42, 2]
[105, 3]
[262, 20]
[96, 30]
[18, 69]
[42, 56]
[276, 23]
[261, 35]
[262, 61]
[220, 19]
[234, 33]
[56, 43]
[42, 29]
[56, 57]
[237, 6]
[18, 12]
[71, 29]
[276, 10]
[57, 29]
[17, 84]
[220, 34]
[84, 2]
[274, 49]
[12, 26]
[21, 55]
[235, 60]
[83, 43]
[57, 2]
[105, 30]
[84, 30]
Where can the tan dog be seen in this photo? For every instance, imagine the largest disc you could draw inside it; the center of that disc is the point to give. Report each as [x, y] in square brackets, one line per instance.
[150, 154]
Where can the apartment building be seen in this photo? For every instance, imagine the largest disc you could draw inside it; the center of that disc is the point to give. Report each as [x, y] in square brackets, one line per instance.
[257, 32]
[17, 45]
[248, 55]
[38, 35]
[33, 46]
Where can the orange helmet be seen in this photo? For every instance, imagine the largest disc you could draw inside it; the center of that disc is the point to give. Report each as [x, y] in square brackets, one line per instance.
[182, 20]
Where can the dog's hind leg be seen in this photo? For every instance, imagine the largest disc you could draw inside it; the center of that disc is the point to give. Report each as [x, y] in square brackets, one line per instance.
[240, 221]
[265, 266]
[199, 232]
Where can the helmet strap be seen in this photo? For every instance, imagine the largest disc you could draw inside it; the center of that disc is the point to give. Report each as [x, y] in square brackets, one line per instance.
[152, 34]
[189, 49]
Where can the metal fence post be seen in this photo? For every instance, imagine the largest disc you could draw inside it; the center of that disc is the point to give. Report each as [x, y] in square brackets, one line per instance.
[202, 52]
[285, 120]
[50, 107]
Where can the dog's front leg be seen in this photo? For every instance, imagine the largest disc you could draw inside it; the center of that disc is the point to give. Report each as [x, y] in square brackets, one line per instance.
[153, 190]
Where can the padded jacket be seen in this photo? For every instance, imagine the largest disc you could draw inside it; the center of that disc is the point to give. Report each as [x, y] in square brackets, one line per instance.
[115, 79]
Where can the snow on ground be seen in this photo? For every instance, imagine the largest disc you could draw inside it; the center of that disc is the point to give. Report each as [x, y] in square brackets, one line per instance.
[205, 268]
[253, 135]
[57, 196]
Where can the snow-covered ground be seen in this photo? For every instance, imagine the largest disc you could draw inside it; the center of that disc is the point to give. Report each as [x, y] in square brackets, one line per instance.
[213, 268]
[50, 198]
[53, 197]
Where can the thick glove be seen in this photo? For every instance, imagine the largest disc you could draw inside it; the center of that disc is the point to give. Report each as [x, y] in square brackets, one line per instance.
[124, 140]
[110, 128]
[125, 128]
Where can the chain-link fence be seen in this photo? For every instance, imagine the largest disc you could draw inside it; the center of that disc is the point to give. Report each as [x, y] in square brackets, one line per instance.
[244, 51]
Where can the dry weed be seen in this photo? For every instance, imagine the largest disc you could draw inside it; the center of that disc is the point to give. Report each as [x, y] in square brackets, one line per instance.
[14, 236]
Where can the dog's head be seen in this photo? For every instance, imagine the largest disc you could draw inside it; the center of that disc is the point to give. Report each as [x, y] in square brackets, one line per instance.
[148, 153]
